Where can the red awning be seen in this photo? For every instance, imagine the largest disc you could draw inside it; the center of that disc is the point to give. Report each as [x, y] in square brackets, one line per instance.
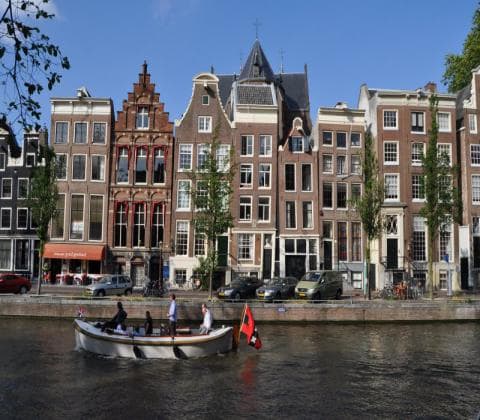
[74, 251]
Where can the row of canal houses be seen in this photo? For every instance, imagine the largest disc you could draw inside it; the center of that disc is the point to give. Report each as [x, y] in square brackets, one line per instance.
[124, 203]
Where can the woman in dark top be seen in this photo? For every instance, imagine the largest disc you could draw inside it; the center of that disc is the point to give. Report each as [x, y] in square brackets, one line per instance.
[148, 324]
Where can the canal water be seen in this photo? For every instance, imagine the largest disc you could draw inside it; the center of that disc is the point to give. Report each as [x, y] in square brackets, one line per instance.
[420, 371]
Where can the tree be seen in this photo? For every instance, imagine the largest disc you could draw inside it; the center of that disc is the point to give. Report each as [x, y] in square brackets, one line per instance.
[369, 205]
[28, 61]
[43, 198]
[458, 68]
[211, 195]
[442, 198]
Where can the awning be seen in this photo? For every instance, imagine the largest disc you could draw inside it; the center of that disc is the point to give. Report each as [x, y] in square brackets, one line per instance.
[74, 251]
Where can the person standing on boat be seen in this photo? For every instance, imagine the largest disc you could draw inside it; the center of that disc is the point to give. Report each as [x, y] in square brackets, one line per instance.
[207, 320]
[148, 323]
[172, 315]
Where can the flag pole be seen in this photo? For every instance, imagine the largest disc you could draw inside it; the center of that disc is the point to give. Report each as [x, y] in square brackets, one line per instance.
[241, 320]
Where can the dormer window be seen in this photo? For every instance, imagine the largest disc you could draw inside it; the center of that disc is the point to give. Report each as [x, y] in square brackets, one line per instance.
[297, 144]
[142, 118]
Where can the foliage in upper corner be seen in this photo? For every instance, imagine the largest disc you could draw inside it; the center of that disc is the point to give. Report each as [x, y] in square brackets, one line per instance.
[458, 68]
[28, 61]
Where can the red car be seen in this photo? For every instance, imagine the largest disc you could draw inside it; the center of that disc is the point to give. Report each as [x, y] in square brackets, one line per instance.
[14, 283]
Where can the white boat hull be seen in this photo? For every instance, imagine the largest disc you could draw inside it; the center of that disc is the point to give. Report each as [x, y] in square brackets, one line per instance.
[92, 339]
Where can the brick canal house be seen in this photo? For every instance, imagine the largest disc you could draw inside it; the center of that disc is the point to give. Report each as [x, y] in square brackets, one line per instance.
[81, 130]
[18, 241]
[400, 120]
[140, 190]
[340, 137]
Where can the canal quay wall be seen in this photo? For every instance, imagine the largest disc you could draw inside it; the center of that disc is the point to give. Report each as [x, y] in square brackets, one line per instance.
[346, 311]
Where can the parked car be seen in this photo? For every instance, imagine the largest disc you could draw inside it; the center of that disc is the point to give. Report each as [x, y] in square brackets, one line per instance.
[318, 285]
[111, 284]
[241, 288]
[277, 288]
[14, 283]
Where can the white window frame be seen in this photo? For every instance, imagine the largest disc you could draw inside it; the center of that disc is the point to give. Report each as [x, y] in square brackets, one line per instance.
[11, 189]
[344, 173]
[326, 144]
[26, 220]
[70, 218]
[286, 214]
[266, 140]
[417, 162]
[390, 162]
[418, 187]
[204, 124]
[294, 176]
[142, 111]
[103, 216]
[251, 246]
[64, 214]
[75, 131]
[337, 184]
[417, 112]
[302, 139]
[475, 160]
[269, 186]
[223, 157]
[2, 168]
[181, 167]
[187, 223]
[346, 139]
[312, 225]
[248, 166]
[66, 165]
[180, 190]
[93, 131]
[269, 208]
[360, 139]
[18, 188]
[91, 169]
[84, 172]
[249, 148]
[472, 123]
[396, 119]
[1, 218]
[139, 154]
[68, 132]
[203, 150]
[476, 190]
[323, 163]
[311, 176]
[208, 100]
[449, 116]
[34, 160]
[449, 151]
[397, 176]
[357, 170]
[246, 205]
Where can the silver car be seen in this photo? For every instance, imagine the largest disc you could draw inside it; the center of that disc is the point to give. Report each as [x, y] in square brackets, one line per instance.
[111, 284]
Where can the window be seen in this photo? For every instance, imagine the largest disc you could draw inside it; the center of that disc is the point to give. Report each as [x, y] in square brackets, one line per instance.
[199, 244]
[341, 165]
[61, 132]
[327, 195]
[390, 119]
[356, 165]
[7, 188]
[5, 254]
[181, 238]
[245, 209]
[202, 156]
[159, 166]
[289, 177]
[265, 145]
[142, 118]
[444, 238]
[445, 150]
[22, 252]
[419, 245]
[296, 144]
[183, 198]
[327, 164]
[138, 239]
[476, 226]
[6, 218]
[442, 279]
[327, 230]
[263, 209]
[201, 195]
[307, 212]
[417, 153]
[390, 153]
[96, 218]
[141, 166]
[22, 218]
[22, 192]
[418, 187]
[204, 124]
[327, 137]
[205, 99]
[246, 175]
[342, 241]
[30, 160]
[245, 246]
[306, 177]
[356, 241]
[443, 119]
[264, 175]
[158, 223]
[341, 196]
[98, 168]
[122, 165]
[341, 139]
[80, 133]
[291, 222]
[475, 154]
[185, 157]
[121, 214]
[472, 123]
[391, 224]
[180, 276]
[58, 220]
[61, 166]
[78, 167]
[355, 191]
[246, 146]
[223, 157]
[2, 161]
[476, 189]
[391, 187]
[76, 217]
[355, 139]
[99, 132]
[417, 120]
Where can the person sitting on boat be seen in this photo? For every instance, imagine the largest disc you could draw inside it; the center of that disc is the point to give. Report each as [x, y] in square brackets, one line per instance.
[117, 320]
[148, 323]
[207, 320]
[172, 315]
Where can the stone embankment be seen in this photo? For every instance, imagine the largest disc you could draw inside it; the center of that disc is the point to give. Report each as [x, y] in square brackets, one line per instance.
[347, 311]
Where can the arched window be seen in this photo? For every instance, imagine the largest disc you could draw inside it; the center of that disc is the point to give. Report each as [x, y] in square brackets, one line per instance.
[122, 165]
[141, 166]
[158, 222]
[121, 225]
[139, 225]
[159, 167]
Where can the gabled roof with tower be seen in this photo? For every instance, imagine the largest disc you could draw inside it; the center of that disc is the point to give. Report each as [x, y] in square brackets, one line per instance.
[257, 67]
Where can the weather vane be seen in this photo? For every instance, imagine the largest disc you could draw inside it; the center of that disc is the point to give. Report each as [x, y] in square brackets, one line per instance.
[257, 24]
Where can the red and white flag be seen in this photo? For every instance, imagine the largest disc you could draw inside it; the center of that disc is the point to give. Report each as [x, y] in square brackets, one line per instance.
[249, 329]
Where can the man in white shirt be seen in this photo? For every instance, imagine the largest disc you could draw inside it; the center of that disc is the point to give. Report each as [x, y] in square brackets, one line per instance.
[172, 315]
[207, 320]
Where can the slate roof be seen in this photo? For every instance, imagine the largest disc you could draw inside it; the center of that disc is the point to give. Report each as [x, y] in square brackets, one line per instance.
[254, 95]
[295, 87]
[225, 86]
[257, 66]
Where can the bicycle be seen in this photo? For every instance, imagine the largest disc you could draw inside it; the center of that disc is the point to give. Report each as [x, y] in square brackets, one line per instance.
[153, 288]
[388, 292]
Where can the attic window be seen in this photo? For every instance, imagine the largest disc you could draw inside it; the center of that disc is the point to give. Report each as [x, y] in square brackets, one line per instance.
[205, 99]
[297, 144]
[142, 118]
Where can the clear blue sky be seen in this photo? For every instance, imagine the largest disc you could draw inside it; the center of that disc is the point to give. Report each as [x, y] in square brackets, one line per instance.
[398, 45]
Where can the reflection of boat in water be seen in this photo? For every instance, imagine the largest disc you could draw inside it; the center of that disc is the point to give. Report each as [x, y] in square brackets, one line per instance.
[109, 343]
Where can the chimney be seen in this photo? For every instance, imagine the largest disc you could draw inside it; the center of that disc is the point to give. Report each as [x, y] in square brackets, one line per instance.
[431, 87]
[341, 105]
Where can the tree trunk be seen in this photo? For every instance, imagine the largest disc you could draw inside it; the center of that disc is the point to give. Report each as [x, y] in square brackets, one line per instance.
[40, 277]
[430, 264]
[367, 258]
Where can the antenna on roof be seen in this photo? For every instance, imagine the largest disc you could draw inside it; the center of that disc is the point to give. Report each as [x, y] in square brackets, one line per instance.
[282, 52]
[257, 24]
[241, 61]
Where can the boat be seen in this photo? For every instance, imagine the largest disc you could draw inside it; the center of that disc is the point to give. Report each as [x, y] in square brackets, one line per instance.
[186, 344]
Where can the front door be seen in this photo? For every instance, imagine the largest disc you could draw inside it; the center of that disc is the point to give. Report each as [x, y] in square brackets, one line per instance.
[327, 255]
[267, 263]
[392, 254]
[138, 274]
[295, 265]
[464, 272]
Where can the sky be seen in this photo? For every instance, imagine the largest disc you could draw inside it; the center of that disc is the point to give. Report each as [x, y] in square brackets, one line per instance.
[392, 45]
